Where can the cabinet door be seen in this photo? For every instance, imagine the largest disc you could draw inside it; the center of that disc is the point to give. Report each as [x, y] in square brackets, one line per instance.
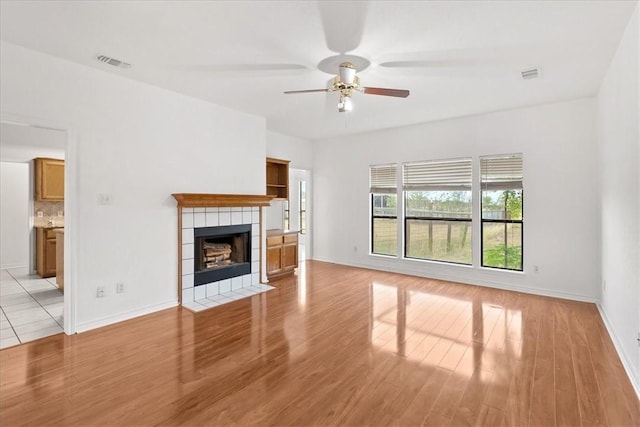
[290, 257]
[50, 257]
[49, 179]
[274, 260]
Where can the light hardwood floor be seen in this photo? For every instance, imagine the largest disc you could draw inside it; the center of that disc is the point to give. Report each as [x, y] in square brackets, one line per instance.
[334, 345]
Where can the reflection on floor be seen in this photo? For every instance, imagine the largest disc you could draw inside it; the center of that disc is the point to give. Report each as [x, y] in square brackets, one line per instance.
[30, 307]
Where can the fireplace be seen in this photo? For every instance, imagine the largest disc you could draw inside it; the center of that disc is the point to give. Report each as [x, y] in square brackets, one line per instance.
[210, 221]
[221, 253]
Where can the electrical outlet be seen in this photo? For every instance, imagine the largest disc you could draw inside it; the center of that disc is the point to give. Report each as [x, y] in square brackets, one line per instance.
[40, 214]
[100, 293]
[355, 249]
[119, 287]
[536, 269]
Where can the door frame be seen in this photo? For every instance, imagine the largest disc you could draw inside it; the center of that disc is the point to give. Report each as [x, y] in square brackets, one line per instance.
[295, 176]
[70, 208]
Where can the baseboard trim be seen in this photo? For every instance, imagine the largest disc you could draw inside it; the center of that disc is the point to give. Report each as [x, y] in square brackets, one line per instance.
[623, 358]
[12, 266]
[110, 320]
[458, 279]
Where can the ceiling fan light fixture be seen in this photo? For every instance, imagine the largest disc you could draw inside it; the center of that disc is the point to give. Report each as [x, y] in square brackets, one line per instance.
[345, 104]
[347, 73]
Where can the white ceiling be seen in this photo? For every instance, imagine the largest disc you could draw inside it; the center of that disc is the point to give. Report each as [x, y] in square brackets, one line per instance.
[21, 143]
[244, 54]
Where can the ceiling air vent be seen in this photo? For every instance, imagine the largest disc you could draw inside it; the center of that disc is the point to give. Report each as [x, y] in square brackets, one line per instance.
[113, 61]
[531, 73]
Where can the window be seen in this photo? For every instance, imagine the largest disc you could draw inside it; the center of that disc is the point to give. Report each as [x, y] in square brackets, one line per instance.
[384, 210]
[303, 207]
[285, 214]
[501, 198]
[438, 210]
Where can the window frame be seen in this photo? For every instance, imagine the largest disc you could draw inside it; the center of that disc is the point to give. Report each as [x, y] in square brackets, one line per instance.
[383, 181]
[502, 221]
[426, 176]
[302, 201]
[374, 217]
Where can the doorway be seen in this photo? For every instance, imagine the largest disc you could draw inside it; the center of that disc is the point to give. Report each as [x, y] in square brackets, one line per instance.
[32, 306]
[297, 212]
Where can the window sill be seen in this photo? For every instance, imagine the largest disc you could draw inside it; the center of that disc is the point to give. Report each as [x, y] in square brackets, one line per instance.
[440, 263]
[445, 264]
[383, 256]
[501, 270]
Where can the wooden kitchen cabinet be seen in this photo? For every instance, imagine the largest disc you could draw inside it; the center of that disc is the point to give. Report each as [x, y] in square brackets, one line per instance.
[282, 253]
[46, 252]
[49, 179]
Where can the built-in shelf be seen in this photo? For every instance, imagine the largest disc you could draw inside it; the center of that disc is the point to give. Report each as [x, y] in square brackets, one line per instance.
[278, 178]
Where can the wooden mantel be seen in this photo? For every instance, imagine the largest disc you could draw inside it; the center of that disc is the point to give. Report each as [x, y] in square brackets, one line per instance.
[198, 200]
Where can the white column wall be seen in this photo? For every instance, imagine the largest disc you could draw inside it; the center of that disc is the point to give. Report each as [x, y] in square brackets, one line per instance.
[619, 166]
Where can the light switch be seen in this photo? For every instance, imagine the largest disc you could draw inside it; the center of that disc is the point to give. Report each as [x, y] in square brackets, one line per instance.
[105, 199]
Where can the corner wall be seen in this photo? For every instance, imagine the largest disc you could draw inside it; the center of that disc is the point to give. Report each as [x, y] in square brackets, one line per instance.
[619, 166]
[558, 143]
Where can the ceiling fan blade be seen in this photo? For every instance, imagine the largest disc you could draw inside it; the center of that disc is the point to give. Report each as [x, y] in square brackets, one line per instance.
[288, 92]
[429, 64]
[242, 69]
[400, 93]
[257, 67]
[343, 23]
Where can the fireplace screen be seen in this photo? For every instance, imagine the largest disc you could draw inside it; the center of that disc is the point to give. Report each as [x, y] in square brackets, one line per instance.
[221, 253]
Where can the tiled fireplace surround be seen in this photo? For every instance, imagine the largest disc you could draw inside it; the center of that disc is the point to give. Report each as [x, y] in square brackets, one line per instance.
[212, 210]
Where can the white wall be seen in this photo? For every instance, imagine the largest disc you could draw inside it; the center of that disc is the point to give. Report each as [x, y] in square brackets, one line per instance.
[300, 153]
[560, 219]
[140, 144]
[14, 215]
[619, 149]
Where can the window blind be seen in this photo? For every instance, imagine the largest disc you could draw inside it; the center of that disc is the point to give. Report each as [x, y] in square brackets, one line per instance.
[382, 179]
[441, 175]
[501, 172]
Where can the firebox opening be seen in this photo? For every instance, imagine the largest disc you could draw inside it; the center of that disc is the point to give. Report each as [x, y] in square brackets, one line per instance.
[221, 253]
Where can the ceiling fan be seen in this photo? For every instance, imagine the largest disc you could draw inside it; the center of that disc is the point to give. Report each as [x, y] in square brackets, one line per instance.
[346, 83]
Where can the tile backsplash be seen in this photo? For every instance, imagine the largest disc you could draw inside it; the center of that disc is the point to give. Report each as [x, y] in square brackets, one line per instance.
[51, 211]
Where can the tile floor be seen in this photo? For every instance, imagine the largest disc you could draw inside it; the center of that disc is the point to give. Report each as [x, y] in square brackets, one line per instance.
[30, 307]
[226, 297]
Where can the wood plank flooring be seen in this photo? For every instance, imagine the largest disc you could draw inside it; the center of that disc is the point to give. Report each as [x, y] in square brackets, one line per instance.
[333, 345]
